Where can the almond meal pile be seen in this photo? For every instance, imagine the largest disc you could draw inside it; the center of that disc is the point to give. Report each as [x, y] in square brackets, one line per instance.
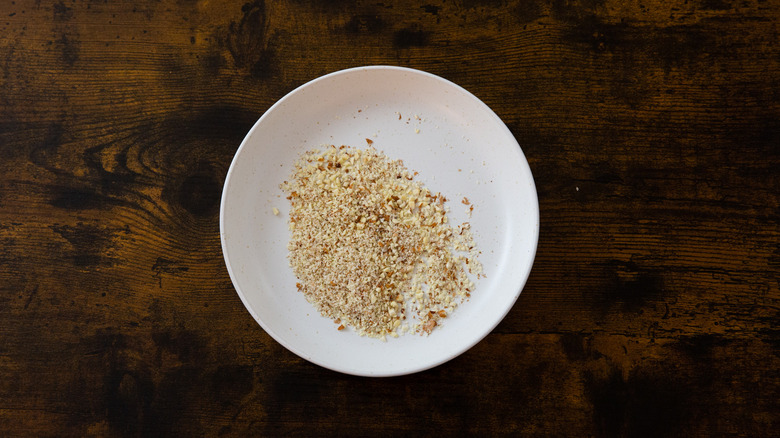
[372, 248]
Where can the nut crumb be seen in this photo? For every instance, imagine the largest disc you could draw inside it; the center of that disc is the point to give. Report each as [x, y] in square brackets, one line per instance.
[429, 326]
[276, 211]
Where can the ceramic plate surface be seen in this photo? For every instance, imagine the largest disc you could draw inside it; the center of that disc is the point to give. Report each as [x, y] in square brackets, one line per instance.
[459, 147]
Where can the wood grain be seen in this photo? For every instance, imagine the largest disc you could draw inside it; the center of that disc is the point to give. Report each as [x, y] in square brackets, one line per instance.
[652, 129]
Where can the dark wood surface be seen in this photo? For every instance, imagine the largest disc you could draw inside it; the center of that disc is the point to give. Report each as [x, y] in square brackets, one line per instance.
[652, 129]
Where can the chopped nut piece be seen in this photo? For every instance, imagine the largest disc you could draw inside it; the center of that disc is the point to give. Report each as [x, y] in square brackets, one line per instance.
[276, 211]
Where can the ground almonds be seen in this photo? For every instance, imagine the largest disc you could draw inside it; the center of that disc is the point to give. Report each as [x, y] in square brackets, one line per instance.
[371, 247]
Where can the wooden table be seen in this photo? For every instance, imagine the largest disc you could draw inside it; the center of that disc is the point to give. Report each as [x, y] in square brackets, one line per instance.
[652, 129]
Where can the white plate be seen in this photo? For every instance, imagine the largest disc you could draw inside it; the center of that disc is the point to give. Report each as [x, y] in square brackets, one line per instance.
[458, 146]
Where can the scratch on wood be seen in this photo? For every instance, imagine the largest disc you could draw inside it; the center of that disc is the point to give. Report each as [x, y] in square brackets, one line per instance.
[30, 297]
